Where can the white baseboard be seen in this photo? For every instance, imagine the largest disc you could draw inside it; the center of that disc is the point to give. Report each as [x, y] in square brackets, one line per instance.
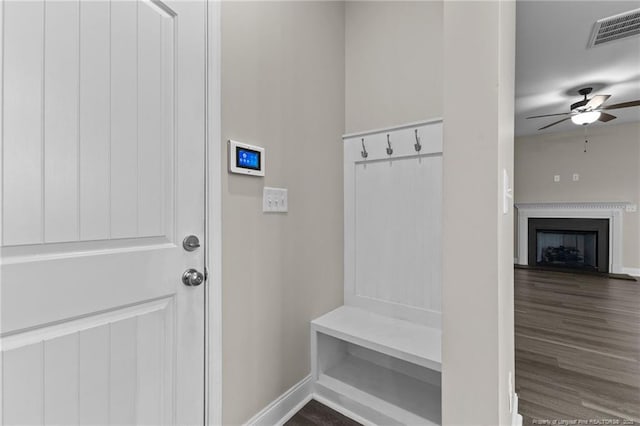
[634, 272]
[516, 419]
[290, 402]
[285, 406]
[631, 271]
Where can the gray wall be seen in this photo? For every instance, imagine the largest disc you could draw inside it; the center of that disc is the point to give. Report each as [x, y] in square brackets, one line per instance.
[609, 171]
[293, 75]
[393, 63]
[477, 300]
[282, 88]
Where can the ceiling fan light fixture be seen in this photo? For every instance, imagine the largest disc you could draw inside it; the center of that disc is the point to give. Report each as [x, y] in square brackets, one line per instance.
[585, 117]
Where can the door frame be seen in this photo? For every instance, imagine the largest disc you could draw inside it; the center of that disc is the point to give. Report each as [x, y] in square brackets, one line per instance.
[213, 226]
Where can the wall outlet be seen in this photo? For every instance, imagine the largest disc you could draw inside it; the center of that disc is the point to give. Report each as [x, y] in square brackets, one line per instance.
[556, 178]
[631, 208]
[576, 177]
[275, 200]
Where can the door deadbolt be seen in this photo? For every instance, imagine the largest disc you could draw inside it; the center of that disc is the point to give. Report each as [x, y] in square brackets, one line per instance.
[191, 243]
[192, 278]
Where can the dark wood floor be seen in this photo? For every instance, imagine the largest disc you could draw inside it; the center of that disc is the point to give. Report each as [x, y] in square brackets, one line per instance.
[316, 414]
[577, 347]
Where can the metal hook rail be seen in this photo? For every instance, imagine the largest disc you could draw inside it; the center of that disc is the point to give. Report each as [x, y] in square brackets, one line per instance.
[417, 145]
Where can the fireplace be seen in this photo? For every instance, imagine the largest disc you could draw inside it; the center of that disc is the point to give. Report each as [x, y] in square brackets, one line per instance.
[576, 243]
[609, 212]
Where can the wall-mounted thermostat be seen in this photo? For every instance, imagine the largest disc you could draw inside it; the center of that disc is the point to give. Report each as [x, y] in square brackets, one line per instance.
[246, 159]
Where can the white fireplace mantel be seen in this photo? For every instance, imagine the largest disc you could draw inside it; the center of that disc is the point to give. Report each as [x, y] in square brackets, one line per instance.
[612, 211]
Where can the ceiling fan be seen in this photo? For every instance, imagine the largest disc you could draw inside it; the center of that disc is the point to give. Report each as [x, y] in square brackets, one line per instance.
[588, 111]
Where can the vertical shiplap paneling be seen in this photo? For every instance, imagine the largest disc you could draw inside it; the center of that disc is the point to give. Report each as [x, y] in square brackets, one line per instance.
[150, 121]
[408, 227]
[61, 380]
[23, 39]
[420, 225]
[61, 121]
[434, 240]
[124, 119]
[168, 126]
[123, 372]
[398, 231]
[94, 120]
[22, 386]
[370, 227]
[168, 365]
[94, 377]
[150, 371]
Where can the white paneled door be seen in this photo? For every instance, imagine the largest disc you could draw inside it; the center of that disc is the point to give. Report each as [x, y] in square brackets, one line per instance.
[103, 171]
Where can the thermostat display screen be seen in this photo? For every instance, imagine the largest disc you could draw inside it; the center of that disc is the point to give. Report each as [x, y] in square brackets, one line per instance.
[247, 158]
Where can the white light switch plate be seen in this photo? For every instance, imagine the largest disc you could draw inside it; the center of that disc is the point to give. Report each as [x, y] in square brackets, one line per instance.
[556, 178]
[275, 200]
[507, 192]
[631, 208]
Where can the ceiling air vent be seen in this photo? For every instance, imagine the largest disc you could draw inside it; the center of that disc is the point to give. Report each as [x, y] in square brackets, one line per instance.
[615, 28]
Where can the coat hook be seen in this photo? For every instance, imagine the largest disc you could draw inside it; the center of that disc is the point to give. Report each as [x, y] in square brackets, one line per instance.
[389, 149]
[417, 145]
[364, 152]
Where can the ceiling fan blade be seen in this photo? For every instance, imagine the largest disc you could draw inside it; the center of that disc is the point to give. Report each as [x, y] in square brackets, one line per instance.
[549, 115]
[604, 117]
[596, 101]
[553, 124]
[623, 105]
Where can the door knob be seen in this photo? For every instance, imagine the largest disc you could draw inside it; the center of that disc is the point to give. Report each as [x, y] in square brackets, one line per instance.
[192, 278]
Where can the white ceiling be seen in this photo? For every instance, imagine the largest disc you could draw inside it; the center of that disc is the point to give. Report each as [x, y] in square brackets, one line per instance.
[553, 62]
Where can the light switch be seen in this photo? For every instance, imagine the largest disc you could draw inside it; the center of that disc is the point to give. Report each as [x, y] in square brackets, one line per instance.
[576, 177]
[507, 192]
[556, 178]
[275, 200]
[631, 208]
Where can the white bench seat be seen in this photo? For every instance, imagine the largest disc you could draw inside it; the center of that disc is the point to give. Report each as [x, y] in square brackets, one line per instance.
[405, 340]
[383, 369]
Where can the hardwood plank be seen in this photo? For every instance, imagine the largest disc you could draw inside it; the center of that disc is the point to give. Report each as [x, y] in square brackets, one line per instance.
[577, 347]
[317, 414]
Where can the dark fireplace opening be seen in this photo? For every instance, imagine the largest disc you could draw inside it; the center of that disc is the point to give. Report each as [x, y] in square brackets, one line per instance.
[571, 249]
[569, 243]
